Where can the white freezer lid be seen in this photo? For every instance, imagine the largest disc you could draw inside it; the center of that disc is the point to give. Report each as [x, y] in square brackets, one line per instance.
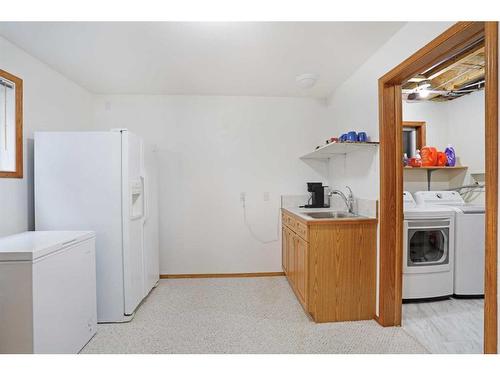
[33, 245]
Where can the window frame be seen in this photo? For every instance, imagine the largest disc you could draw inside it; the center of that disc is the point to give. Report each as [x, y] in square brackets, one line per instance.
[419, 127]
[413, 134]
[18, 173]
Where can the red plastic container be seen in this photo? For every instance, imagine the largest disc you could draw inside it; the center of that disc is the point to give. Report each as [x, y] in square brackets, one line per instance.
[414, 162]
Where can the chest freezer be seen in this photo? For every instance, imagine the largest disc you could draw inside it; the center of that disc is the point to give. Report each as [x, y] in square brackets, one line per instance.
[47, 291]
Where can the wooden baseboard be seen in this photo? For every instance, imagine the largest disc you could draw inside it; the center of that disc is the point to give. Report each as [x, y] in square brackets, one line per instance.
[220, 275]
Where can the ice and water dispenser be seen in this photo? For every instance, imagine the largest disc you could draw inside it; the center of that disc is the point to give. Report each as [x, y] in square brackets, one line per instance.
[137, 198]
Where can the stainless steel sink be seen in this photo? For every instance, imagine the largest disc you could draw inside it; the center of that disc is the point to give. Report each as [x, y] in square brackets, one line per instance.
[331, 215]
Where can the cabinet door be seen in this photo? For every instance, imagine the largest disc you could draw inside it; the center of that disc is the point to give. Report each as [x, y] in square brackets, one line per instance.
[284, 249]
[301, 249]
[290, 247]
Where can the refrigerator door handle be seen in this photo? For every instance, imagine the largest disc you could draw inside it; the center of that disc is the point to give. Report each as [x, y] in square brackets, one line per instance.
[145, 198]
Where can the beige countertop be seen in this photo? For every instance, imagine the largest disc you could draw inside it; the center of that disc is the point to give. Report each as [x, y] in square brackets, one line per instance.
[301, 213]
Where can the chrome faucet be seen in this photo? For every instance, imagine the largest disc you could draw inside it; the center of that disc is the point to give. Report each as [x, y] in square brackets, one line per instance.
[348, 200]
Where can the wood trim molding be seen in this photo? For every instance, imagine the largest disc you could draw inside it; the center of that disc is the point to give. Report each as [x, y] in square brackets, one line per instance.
[446, 45]
[18, 173]
[449, 43]
[491, 135]
[220, 275]
[391, 209]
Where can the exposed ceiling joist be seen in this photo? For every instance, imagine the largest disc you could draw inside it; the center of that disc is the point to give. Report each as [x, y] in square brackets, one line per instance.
[454, 61]
[450, 79]
[453, 81]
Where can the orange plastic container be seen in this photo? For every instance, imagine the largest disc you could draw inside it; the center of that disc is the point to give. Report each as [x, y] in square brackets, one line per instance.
[441, 159]
[429, 156]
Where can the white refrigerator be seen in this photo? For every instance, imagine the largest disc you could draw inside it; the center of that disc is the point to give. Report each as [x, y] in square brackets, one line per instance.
[104, 182]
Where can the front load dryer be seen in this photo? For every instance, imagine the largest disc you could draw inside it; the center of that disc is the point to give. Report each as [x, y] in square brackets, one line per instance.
[428, 250]
[469, 240]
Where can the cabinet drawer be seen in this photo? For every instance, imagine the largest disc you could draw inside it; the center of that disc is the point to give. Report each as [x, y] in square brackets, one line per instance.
[295, 225]
[288, 221]
[284, 218]
[301, 229]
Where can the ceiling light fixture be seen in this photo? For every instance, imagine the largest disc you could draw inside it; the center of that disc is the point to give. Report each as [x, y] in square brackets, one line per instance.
[307, 80]
[424, 93]
[423, 90]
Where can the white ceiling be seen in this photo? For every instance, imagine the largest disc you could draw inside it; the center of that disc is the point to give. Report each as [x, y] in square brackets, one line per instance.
[256, 58]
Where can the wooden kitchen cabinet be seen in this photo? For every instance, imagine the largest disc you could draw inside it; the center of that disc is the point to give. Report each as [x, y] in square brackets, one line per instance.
[331, 266]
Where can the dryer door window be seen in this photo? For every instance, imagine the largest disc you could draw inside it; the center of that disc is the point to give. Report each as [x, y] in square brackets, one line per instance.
[428, 246]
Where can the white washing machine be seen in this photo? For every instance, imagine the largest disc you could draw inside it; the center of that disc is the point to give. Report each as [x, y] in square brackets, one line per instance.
[469, 240]
[428, 250]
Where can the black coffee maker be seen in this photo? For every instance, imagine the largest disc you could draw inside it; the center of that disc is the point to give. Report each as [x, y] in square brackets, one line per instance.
[317, 191]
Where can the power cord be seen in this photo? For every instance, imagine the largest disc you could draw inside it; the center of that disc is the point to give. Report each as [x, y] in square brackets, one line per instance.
[252, 233]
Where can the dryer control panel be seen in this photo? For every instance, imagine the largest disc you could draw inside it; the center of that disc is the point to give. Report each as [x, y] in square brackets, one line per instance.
[408, 200]
[438, 197]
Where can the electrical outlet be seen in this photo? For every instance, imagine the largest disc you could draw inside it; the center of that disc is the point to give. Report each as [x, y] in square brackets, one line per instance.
[266, 196]
[242, 196]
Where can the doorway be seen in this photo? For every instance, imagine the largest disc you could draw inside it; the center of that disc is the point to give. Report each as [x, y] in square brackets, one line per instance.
[445, 46]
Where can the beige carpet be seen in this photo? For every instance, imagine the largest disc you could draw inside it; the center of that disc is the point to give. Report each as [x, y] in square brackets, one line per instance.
[239, 315]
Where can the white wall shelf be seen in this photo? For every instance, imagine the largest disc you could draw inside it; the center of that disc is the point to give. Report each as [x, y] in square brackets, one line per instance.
[333, 149]
[431, 169]
[435, 168]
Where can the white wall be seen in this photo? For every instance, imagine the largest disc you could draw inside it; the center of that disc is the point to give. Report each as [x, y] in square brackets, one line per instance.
[354, 106]
[458, 122]
[466, 130]
[210, 149]
[51, 102]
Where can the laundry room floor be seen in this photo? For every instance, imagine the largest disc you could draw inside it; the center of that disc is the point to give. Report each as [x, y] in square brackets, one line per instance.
[448, 326]
[239, 315]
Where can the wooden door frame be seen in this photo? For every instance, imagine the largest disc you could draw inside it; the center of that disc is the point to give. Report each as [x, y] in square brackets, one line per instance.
[391, 170]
